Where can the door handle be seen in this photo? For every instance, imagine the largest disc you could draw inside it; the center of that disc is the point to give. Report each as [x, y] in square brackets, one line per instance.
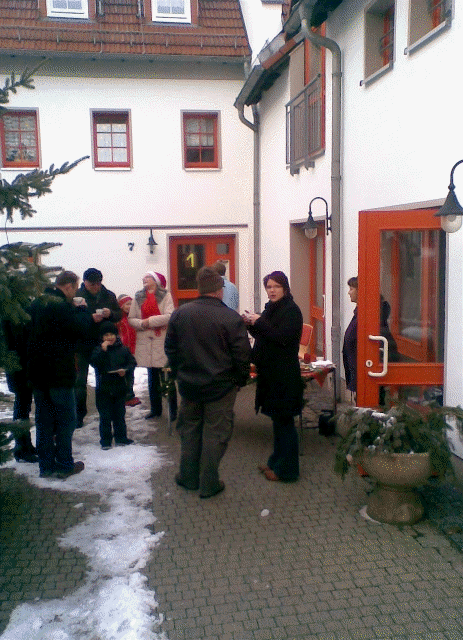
[382, 373]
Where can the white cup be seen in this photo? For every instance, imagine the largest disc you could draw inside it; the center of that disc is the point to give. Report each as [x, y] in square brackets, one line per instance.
[99, 312]
[319, 359]
[78, 301]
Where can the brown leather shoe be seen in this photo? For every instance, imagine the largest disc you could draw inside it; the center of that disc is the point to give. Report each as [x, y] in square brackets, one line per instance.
[262, 468]
[270, 475]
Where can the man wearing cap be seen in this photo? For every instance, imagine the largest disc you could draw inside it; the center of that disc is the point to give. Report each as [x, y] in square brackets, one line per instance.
[102, 305]
[209, 352]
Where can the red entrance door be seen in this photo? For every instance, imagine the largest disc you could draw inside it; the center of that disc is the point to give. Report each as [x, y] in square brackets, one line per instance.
[187, 254]
[400, 306]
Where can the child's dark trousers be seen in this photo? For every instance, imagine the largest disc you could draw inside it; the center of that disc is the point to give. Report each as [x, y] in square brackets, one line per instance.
[111, 407]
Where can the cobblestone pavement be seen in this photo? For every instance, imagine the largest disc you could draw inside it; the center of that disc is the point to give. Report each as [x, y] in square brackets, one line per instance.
[312, 569]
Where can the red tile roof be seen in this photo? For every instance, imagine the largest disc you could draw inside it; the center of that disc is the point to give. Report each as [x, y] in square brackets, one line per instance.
[219, 32]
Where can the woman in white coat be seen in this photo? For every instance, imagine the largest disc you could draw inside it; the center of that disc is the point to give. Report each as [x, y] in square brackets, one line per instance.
[149, 314]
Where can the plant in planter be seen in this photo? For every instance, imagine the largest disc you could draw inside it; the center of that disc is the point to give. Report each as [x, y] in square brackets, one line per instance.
[399, 449]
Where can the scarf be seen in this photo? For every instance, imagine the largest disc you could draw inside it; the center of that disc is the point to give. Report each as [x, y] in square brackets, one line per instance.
[150, 308]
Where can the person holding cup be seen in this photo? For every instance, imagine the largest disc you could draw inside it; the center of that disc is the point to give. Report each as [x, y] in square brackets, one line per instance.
[102, 305]
[279, 391]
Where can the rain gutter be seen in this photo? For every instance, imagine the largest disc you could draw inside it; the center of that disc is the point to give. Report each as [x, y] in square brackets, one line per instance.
[305, 12]
[255, 127]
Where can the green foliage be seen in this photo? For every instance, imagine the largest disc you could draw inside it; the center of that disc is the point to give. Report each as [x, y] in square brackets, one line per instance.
[9, 430]
[22, 277]
[402, 429]
[13, 83]
[15, 195]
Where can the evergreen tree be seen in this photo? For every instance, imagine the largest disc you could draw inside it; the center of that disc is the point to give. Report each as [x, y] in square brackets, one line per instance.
[22, 277]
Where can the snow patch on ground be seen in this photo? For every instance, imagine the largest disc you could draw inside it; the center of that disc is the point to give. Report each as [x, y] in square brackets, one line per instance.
[114, 603]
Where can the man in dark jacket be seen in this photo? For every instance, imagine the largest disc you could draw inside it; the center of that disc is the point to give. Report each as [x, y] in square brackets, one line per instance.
[56, 325]
[208, 351]
[102, 305]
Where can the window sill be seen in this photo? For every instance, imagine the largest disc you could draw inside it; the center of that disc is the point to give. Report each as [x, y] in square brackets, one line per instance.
[377, 74]
[202, 168]
[443, 26]
[20, 168]
[112, 168]
[68, 16]
[184, 20]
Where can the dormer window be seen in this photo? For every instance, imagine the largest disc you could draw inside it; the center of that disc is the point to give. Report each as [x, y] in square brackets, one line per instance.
[67, 8]
[171, 11]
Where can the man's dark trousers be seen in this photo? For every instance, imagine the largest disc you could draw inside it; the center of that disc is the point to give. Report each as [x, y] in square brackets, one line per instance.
[55, 421]
[205, 429]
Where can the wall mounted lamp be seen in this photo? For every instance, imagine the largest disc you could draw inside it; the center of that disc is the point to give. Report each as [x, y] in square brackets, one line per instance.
[310, 227]
[151, 242]
[451, 212]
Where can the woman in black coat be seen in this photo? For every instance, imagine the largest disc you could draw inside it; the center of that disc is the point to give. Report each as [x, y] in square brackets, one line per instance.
[277, 334]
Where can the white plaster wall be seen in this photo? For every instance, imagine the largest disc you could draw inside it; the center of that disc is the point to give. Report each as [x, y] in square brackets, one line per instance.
[157, 191]
[263, 22]
[401, 136]
[123, 269]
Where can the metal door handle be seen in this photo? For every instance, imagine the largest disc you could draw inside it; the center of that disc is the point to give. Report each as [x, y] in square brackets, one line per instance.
[382, 373]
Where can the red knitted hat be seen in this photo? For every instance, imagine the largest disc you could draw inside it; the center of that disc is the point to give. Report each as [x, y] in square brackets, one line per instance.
[123, 298]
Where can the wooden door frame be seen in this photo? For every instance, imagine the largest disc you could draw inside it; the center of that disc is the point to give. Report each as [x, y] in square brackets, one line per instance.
[315, 312]
[371, 223]
[210, 257]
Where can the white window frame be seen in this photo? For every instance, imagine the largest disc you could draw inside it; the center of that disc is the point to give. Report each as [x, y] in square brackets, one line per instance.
[168, 17]
[53, 12]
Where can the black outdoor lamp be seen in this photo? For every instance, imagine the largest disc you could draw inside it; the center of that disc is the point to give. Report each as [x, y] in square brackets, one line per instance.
[451, 212]
[310, 227]
[151, 242]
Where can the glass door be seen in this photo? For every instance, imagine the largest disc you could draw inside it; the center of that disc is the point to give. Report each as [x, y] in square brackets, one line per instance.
[400, 307]
[188, 254]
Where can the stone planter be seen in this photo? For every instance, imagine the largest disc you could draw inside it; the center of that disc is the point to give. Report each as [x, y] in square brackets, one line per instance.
[395, 499]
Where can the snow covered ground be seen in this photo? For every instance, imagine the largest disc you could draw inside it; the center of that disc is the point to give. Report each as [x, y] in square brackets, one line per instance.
[114, 603]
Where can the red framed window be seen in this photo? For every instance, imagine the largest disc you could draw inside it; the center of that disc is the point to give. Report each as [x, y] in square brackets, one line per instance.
[111, 139]
[200, 140]
[19, 139]
[386, 44]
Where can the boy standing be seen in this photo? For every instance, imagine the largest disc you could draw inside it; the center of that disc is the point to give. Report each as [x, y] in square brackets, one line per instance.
[113, 361]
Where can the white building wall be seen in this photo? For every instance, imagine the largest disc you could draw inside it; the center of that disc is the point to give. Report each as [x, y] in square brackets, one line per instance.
[157, 191]
[401, 136]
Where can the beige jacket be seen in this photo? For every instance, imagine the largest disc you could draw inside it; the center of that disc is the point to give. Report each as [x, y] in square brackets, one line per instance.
[149, 349]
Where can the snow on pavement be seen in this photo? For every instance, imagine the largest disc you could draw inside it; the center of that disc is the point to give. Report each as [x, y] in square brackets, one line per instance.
[114, 603]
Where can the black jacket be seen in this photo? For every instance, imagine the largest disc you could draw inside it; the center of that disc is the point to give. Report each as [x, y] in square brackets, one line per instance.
[117, 356]
[349, 353]
[56, 326]
[208, 349]
[277, 336]
[104, 298]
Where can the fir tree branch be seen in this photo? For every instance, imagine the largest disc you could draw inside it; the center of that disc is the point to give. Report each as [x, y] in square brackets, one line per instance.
[34, 184]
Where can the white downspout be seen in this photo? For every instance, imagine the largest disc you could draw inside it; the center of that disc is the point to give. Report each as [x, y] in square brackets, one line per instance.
[336, 76]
